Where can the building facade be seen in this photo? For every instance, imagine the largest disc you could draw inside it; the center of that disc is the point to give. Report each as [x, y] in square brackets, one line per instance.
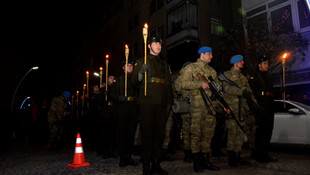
[291, 15]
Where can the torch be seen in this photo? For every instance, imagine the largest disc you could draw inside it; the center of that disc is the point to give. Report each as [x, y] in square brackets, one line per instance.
[106, 75]
[126, 63]
[87, 87]
[84, 87]
[100, 76]
[77, 105]
[283, 68]
[145, 31]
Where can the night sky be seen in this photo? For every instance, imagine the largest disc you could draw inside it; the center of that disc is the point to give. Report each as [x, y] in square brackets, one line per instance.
[47, 35]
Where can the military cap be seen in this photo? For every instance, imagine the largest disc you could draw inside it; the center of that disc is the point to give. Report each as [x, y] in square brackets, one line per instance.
[262, 59]
[155, 39]
[204, 50]
[236, 59]
[129, 62]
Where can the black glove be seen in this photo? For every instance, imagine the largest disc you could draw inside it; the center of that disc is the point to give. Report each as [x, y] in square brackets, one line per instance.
[143, 69]
[246, 94]
[122, 99]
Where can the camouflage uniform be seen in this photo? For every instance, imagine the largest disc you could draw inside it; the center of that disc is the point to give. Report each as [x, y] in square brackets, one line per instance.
[202, 122]
[55, 120]
[240, 108]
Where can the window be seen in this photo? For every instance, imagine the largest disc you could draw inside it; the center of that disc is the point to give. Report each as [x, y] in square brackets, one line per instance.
[183, 17]
[304, 16]
[216, 26]
[155, 5]
[281, 20]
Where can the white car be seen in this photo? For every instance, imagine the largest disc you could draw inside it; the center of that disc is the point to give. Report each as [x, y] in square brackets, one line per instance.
[291, 124]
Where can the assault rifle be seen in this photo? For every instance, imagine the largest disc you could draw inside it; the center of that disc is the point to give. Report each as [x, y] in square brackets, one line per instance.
[217, 93]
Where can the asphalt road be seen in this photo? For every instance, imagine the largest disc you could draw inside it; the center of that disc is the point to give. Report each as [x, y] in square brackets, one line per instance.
[28, 159]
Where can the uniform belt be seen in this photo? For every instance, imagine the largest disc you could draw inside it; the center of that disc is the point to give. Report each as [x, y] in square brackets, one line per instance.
[157, 80]
[265, 93]
[131, 98]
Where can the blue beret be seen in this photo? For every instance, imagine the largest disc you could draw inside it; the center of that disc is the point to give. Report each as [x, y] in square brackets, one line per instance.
[204, 49]
[66, 94]
[236, 59]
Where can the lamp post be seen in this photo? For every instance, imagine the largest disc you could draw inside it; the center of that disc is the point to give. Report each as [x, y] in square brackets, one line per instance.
[33, 68]
[283, 68]
[126, 64]
[106, 75]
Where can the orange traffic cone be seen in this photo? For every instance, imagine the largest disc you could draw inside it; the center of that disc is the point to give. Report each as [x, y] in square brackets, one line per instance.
[79, 159]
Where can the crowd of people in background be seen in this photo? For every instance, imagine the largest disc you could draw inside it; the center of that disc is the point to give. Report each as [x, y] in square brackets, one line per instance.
[134, 113]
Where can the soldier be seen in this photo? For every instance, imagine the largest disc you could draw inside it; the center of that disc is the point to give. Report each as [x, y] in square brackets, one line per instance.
[126, 114]
[56, 116]
[186, 117]
[237, 97]
[153, 105]
[263, 90]
[203, 121]
[107, 124]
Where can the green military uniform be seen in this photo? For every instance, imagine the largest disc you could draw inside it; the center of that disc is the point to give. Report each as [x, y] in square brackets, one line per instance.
[233, 96]
[202, 122]
[127, 117]
[55, 120]
[153, 106]
[263, 90]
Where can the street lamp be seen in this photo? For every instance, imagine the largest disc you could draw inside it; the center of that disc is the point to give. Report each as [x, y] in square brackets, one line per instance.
[283, 68]
[33, 68]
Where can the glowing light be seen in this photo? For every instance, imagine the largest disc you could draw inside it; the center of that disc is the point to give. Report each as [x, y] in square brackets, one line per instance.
[107, 56]
[284, 55]
[126, 46]
[146, 26]
[84, 85]
[87, 73]
[96, 74]
[100, 68]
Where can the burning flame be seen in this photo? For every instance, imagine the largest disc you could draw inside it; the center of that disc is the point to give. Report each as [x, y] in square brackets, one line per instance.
[84, 85]
[100, 68]
[87, 73]
[145, 25]
[284, 55]
[126, 46]
[77, 92]
[107, 56]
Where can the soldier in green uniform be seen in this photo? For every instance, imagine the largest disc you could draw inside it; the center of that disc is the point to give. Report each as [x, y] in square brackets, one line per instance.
[203, 121]
[236, 98]
[55, 117]
[186, 117]
[127, 111]
[153, 105]
[263, 90]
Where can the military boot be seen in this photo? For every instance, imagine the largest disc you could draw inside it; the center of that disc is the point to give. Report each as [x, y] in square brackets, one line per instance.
[241, 160]
[187, 155]
[206, 162]
[156, 168]
[197, 163]
[232, 159]
[146, 167]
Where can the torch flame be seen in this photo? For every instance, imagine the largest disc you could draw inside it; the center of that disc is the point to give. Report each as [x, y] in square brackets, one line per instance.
[77, 92]
[87, 73]
[107, 56]
[126, 46]
[84, 85]
[145, 25]
[284, 55]
[100, 68]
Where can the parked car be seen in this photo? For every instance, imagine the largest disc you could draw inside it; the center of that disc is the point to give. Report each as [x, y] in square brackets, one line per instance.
[291, 124]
